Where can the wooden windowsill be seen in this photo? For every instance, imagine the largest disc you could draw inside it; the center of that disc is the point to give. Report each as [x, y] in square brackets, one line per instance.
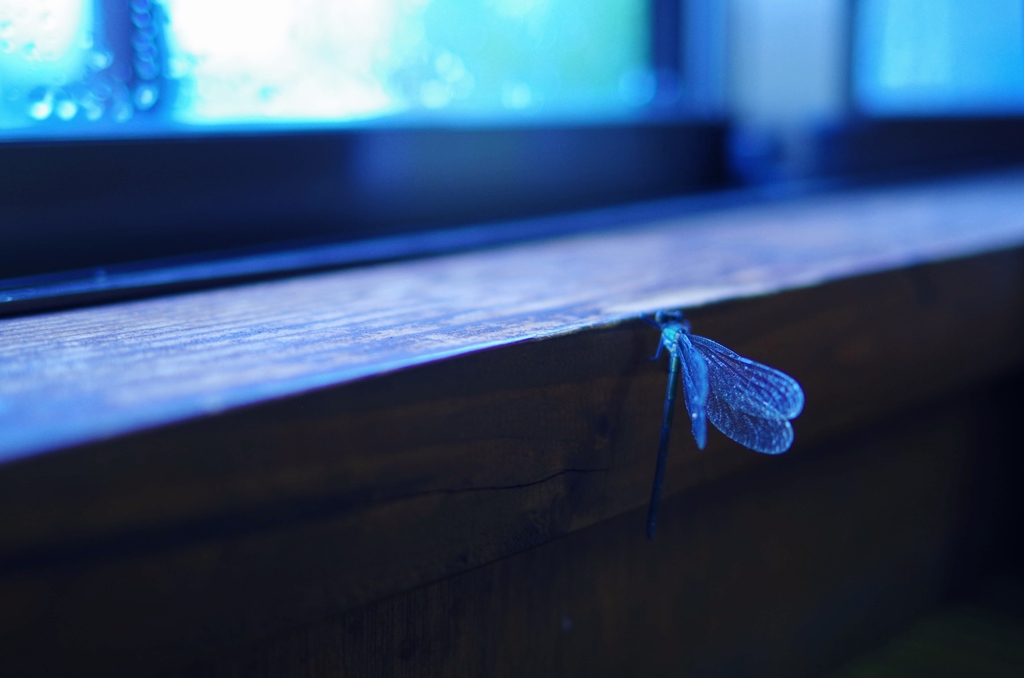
[244, 460]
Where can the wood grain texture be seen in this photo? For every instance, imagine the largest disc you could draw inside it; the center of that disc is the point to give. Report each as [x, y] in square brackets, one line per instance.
[150, 549]
[74, 377]
[185, 534]
[786, 571]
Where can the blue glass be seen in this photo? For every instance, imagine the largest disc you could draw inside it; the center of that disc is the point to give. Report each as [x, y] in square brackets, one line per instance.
[939, 57]
[749, 402]
[76, 68]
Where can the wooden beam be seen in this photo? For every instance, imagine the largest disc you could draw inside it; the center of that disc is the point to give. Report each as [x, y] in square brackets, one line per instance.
[175, 542]
[788, 570]
[76, 377]
[193, 533]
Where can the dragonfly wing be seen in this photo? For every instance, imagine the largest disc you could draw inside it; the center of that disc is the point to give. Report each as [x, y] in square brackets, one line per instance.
[695, 388]
[748, 386]
[768, 436]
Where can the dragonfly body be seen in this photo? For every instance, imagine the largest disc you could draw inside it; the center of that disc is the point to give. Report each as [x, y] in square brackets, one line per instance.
[747, 401]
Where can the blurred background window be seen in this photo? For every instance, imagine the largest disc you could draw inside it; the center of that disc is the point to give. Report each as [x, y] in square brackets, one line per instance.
[159, 67]
[870, 90]
[939, 57]
[138, 131]
[133, 131]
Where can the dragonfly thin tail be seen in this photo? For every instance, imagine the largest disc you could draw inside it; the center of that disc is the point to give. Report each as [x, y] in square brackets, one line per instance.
[666, 431]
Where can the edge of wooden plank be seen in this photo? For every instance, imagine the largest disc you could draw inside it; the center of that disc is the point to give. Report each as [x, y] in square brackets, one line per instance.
[81, 376]
[222, 529]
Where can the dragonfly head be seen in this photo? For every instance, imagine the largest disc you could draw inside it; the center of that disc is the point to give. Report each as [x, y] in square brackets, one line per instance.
[665, 317]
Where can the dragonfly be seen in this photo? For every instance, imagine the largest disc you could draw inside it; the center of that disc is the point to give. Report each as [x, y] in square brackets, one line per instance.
[749, 402]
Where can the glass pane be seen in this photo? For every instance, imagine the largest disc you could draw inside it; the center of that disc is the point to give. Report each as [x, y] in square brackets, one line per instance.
[106, 67]
[935, 57]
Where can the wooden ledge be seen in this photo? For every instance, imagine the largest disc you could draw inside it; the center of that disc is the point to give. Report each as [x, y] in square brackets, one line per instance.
[191, 472]
[76, 377]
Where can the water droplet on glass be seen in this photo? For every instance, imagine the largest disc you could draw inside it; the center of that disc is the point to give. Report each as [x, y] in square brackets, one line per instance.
[92, 107]
[141, 5]
[40, 103]
[6, 46]
[142, 19]
[146, 95]
[64, 106]
[121, 111]
[146, 69]
[121, 108]
[100, 86]
[6, 29]
[86, 41]
[143, 36]
[145, 50]
[99, 59]
[46, 19]
[30, 51]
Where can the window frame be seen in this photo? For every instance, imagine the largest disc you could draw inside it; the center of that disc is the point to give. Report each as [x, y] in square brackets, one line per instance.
[88, 218]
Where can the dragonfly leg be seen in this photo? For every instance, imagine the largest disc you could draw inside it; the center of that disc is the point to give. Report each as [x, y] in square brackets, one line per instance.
[657, 354]
[666, 431]
[650, 320]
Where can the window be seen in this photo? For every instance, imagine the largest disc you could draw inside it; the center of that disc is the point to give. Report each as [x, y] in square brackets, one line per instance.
[137, 134]
[140, 131]
[869, 90]
[167, 67]
[939, 57]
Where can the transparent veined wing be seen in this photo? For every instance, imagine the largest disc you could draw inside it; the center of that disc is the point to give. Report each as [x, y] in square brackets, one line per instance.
[768, 436]
[695, 387]
[748, 386]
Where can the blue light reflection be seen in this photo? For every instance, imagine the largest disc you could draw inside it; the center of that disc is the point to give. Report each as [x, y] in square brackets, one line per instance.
[150, 67]
[939, 57]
